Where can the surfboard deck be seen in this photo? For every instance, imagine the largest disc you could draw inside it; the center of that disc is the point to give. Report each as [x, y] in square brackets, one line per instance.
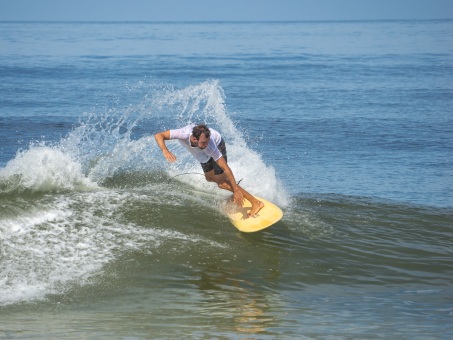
[267, 216]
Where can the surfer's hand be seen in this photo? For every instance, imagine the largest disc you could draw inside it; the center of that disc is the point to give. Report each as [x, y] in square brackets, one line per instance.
[169, 156]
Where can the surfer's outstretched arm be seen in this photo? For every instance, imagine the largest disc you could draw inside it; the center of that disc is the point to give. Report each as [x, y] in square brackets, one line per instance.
[160, 138]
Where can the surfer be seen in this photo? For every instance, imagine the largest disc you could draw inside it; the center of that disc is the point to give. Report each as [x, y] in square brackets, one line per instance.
[208, 147]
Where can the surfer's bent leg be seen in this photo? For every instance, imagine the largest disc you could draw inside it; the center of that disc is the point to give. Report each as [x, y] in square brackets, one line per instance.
[223, 183]
[216, 175]
[213, 173]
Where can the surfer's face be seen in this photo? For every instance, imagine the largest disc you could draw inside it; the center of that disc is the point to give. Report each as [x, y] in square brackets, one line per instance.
[201, 142]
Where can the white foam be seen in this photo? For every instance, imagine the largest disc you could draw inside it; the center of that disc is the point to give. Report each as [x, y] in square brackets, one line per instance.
[48, 251]
[43, 168]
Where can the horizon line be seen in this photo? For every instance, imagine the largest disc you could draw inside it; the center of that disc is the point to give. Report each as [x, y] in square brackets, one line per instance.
[217, 21]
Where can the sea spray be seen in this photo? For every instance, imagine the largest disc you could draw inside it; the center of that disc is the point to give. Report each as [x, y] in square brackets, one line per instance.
[43, 169]
[119, 139]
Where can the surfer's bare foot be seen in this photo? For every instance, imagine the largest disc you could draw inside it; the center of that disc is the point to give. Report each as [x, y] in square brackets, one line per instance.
[256, 207]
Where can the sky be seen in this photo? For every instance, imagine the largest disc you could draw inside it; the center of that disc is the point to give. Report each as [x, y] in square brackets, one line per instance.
[222, 10]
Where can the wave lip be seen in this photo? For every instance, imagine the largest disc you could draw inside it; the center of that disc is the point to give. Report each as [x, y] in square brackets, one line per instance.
[43, 169]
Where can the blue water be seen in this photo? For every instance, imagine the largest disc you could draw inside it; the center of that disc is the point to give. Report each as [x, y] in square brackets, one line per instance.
[346, 125]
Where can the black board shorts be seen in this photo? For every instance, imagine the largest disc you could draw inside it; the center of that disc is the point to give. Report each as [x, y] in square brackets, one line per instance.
[212, 164]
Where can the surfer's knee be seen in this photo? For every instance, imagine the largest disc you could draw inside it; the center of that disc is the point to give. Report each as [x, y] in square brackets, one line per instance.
[209, 178]
[224, 186]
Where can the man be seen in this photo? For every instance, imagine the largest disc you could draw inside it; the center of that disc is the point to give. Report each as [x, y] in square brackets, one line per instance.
[208, 147]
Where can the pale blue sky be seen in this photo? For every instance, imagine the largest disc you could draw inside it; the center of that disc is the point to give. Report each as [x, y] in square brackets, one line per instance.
[223, 10]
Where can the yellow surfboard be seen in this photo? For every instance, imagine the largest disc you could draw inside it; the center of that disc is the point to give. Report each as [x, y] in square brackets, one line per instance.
[266, 217]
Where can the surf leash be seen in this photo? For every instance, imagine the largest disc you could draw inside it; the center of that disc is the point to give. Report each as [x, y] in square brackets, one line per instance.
[193, 173]
[185, 173]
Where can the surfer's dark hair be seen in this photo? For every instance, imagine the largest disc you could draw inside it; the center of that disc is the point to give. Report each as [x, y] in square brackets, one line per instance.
[201, 129]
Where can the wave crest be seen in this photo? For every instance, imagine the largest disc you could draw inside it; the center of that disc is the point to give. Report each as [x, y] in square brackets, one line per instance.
[43, 169]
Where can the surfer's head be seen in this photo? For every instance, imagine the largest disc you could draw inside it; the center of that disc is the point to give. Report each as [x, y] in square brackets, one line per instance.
[201, 129]
[200, 136]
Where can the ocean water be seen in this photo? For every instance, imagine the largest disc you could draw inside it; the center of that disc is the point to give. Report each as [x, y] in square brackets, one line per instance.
[347, 126]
